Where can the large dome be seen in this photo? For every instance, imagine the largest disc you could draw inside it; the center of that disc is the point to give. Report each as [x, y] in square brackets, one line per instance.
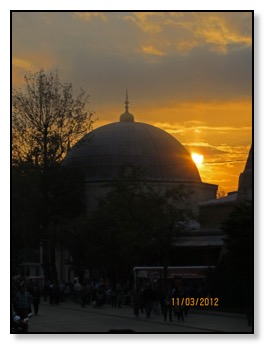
[107, 151]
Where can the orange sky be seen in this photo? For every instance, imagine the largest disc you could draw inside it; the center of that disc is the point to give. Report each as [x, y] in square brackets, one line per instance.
[189, 73]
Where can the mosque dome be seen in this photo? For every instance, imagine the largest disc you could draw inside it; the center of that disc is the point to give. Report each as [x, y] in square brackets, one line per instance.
[118, 147]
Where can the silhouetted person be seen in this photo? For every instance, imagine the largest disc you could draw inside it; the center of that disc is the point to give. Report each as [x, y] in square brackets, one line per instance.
[167, 306]
[113, 297]
[148, 297]
[136, 302]
[119, 295]
[23, 302]
[51, 293]
[178, 309]
[36, 298]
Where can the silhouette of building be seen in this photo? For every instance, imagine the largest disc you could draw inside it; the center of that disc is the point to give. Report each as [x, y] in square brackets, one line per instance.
[114, 150]
[245, 181]
[117, 149]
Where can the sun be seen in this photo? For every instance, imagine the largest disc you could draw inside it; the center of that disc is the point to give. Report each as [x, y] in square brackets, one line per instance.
[197, 158]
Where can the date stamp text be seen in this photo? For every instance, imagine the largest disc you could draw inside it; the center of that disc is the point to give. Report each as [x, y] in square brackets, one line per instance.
[195, 301]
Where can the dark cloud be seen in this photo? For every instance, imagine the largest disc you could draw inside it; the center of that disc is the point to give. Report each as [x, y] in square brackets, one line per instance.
[178, 67]
[105, 57]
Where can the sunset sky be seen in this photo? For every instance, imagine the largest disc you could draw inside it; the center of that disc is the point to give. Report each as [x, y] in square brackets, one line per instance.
[189, 73]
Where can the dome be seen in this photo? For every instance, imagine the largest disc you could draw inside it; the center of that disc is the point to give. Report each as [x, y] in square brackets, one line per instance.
[126, 117]
[108, 150]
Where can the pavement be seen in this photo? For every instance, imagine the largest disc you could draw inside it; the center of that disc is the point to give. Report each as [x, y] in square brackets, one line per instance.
[72, 318]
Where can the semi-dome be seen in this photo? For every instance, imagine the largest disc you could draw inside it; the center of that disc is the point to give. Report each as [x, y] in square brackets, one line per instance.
[113, 149]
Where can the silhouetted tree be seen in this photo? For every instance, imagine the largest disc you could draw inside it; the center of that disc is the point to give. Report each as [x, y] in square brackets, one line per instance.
[234, 273]
[25, 208]
[140, 224]
[66, 200]
[46, 120]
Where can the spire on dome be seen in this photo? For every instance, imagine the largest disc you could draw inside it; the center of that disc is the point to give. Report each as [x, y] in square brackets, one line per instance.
[126, 102]
[126, 116]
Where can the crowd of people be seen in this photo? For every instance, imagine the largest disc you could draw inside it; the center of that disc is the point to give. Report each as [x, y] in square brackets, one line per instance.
[145, 300]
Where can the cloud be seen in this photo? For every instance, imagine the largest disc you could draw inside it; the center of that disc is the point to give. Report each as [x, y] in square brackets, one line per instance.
[87, 16]
[189, 73]
[152, 50]
[222, 164]
[185, 126]
[21, 63]
[27, 63]
[150, 22]
[92, 54]
[180, 32]
[218, 31]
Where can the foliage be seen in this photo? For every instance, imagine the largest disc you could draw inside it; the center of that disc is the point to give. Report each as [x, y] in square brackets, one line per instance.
[37, 219]
[47, 119]
[234, 274]
[137, 224]
[25, 209]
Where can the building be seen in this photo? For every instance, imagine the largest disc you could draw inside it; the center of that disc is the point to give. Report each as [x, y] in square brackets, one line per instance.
[201, 248]
[213, 213]
[117, 149]
[245, 181]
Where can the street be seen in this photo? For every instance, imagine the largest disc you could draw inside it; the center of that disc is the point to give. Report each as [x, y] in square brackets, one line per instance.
[72, 318]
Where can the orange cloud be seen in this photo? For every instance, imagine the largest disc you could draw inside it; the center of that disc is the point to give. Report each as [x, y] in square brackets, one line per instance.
[30, 61]
[218, 32]
[87, 16]
[150, 50]
[192, 29]
[21, 63]
[147, 21]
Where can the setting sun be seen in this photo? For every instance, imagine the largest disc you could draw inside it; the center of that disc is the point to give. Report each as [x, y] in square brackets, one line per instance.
[197, 158]
[191, 54]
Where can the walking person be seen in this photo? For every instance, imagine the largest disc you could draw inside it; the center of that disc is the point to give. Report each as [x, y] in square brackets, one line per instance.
[179, 309]
[148, 297]
[23, 302]
[119, 294]
[67, 292]
[168, 306]
[113, 297]
[51, 293]
[36, 298]
[135, 298]
[77, 291]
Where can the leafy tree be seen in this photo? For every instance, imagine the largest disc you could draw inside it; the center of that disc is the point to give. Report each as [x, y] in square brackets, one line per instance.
[66, 200]
[47, 119]
[139, 224]
[234, 274]
[25, 209]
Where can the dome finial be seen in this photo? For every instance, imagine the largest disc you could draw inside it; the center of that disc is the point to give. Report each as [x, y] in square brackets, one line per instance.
[126, 116]
[126, 102]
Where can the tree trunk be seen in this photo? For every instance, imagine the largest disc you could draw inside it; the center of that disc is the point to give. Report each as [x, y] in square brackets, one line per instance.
[46, 263]
[165, 270]
[54, 273]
